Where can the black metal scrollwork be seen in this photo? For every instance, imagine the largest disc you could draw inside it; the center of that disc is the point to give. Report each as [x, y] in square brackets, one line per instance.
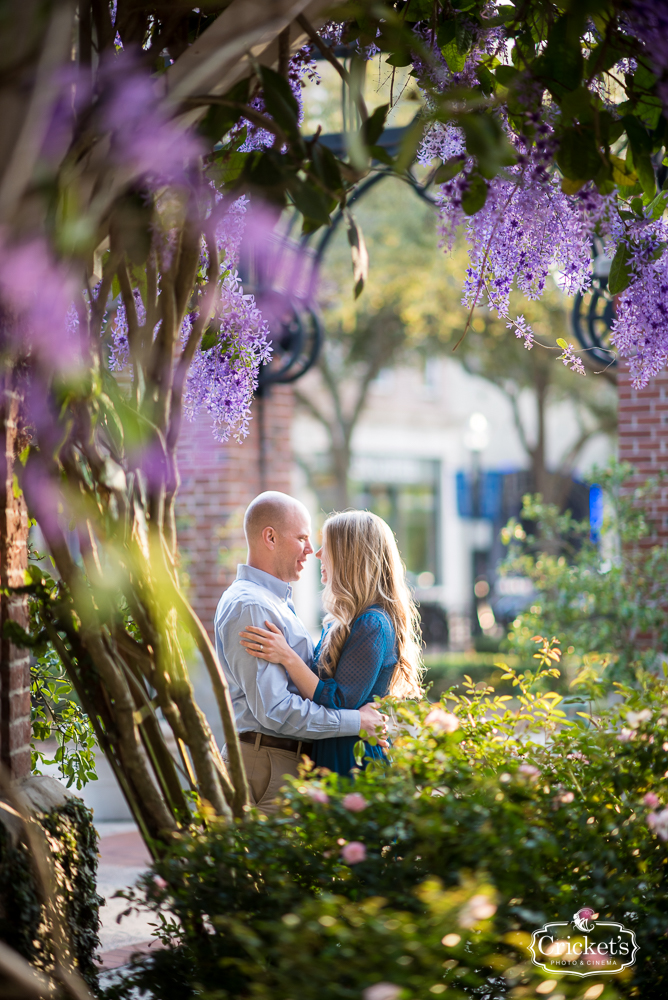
[594, 311]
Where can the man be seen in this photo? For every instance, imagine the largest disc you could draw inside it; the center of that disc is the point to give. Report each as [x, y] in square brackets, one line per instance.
[276, 725]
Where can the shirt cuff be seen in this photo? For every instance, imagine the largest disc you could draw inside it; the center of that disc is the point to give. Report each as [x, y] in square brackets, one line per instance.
[351, 722]
[318, 691]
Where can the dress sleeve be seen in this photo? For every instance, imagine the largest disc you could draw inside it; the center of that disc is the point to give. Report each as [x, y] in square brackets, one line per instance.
[361, 659]
[265, 685]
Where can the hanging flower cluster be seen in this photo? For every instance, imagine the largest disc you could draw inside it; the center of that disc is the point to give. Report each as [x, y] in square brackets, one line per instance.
[521, 226]
[526, 229]
[640, 328]
[223, 373]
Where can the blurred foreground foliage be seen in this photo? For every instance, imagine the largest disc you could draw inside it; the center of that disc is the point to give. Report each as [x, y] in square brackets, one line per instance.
[497, 814]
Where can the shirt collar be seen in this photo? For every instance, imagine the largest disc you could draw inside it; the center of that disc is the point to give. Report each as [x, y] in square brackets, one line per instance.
[266, 580]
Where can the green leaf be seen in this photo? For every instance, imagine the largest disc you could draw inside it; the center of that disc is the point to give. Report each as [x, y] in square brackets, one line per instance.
[645, 171]
[372, 129]
[446, 33]
[487, 79]
[638, 135]
[359, 254]
[620, 272]
[476, 195]
[325, 166]
[309, 200]
[506, 74]
[561, 63]
[409, 145]
[401, 58]
[577, 104]
[279, 101]
[265, 171]
[219, 119]
[228, 167]
[112, 420]
[562, 343]
[381, 154]
[578, 156]
[487, 142]
[455, 59]
[210, 339]
[449, 169]
[569, 186]
[622, 174]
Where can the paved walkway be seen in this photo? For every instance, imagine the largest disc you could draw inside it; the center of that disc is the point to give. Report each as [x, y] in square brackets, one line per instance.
[123, 857]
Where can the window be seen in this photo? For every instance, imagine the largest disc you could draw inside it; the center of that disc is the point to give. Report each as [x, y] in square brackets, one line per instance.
[404, 492]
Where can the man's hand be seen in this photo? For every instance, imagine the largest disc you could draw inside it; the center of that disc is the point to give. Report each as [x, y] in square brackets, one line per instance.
[373, 723]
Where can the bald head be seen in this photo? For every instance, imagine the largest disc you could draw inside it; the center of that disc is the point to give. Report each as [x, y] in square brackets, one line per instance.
[270, 510]
[277, 529]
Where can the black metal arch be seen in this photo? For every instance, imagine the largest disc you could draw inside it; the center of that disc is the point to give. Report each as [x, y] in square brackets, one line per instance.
[299, 339]
[594, 311]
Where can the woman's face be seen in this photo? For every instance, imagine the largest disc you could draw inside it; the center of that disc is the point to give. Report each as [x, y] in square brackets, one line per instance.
[325, 565]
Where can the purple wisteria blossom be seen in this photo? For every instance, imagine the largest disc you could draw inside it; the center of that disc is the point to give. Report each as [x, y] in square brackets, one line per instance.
[302, 69]
[37, 293]
[143, 137]
[526, 229]
[640, 328]
[432, 64]
[119, 354]
[223, 377]
[442, 141]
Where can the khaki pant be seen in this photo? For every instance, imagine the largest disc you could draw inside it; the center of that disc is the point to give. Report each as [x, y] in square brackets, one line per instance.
[266, 768]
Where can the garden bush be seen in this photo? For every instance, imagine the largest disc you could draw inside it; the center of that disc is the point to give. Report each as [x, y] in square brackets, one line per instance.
[606, 592]
[428, 876]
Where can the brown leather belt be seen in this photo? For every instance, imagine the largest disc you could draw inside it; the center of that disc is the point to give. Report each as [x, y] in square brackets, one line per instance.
[293, 746]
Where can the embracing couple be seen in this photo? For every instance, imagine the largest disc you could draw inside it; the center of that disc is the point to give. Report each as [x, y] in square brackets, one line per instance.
[288, 698]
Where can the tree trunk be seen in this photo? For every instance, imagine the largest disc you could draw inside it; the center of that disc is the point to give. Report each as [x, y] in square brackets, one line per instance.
[541, 476]
[341, 469]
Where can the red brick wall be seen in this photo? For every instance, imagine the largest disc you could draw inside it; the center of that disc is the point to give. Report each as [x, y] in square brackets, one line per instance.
[217, 483]
[15, 730]
[643, 438]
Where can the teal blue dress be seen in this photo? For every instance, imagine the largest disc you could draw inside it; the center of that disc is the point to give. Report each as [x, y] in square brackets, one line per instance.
[363, 672]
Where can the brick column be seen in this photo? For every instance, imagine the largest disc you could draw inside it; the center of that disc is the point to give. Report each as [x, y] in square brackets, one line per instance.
[15, 728]
[643, 440]
[217, 483]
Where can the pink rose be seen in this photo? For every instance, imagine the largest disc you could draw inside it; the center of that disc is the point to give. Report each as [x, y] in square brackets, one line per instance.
[353, 853]
[382, 991]
[442, 721]
[355, 802]
[529, 771]
[658, 822]
[317, 795]
[159, 882]
[476, 909]
[651, 800]
[564, 799]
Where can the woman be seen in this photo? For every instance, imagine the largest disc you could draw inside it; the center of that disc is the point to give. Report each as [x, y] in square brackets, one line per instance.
[369, 646]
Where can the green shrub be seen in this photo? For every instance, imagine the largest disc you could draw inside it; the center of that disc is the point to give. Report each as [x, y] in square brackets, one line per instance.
[535, 816]
[72, 842]
[608, 595]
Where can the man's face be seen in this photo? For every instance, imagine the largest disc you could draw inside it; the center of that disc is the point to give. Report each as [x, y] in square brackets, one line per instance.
[293, 545]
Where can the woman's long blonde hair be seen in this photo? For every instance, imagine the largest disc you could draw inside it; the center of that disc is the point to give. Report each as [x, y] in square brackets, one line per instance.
[365, 568]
